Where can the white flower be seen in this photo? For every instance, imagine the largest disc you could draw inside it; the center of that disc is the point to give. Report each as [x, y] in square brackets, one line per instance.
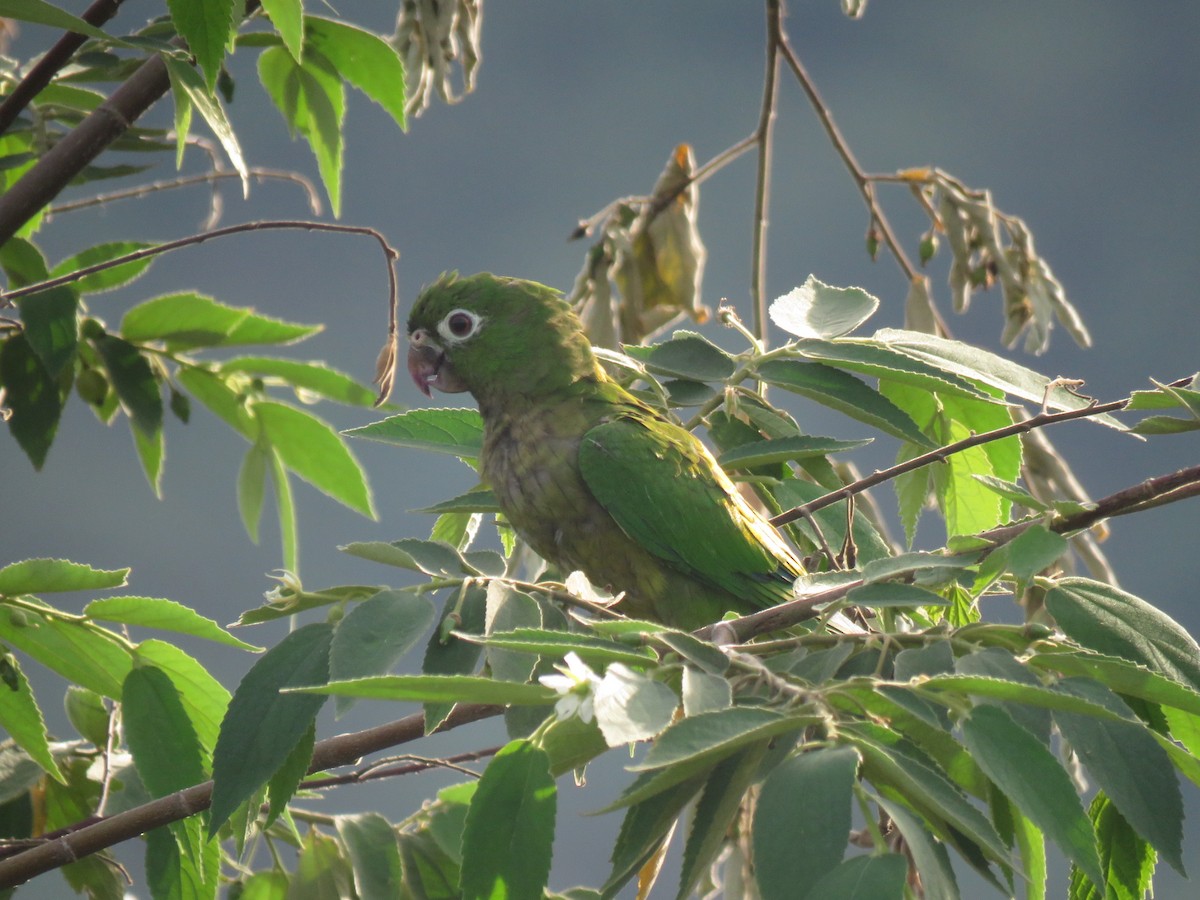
[577, 685]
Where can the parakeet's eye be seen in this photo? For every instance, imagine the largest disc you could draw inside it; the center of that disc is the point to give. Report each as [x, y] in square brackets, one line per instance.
[459, 325]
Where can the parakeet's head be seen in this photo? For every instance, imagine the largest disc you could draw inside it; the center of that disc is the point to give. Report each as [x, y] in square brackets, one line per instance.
[495, 337]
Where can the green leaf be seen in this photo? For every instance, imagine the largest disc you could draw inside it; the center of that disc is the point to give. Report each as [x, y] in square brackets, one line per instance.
[105, 279]
[482, 500]
[1032, 778]
[437, 688]
[151, 451]
[868, 357]
[785, 449]
[509, 830]
[546, 642]
[882, 594]
[816, 310]
[703, 692]
[22, 719]
[288, 18]
[80, 653]
[1012, 491]
[976, 364]
[1128, 860]
[1121, 676]
[321, 870]
[686, 355]
[159, 733]
[880, 877]
[1129, 766]
[42, 13]
[313, 103]
[718, 805]
[375, 634]
[510, 609]
[455, 431]
[282, 785]
[929, 854]
[263, 725]
[646, 826]
[1112, 622]
[1165, 425]
[841, 391]
[804, 802]
[187, 83]
[153, 612]
[51, 326]
[134, 382]
[1034, 550]
[218, 398]
[306, 378]
[285, 508]
[447, 653]
[252, 486]
[188, 320]
[715, 735]
[374, 855]
[204, 698]
[315, 452]
[51, 576]
[34, 400]
[996, 662]
[365, 60]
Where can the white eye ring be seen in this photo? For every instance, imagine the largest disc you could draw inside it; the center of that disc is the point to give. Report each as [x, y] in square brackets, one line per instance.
[459, 325]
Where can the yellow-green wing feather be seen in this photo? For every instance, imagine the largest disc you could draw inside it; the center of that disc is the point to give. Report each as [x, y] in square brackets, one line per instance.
[664, 489]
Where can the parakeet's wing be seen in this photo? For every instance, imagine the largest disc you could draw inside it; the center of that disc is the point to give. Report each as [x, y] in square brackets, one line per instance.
[666, 492]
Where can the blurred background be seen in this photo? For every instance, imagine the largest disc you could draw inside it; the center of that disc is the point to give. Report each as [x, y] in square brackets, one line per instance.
[1082, 122]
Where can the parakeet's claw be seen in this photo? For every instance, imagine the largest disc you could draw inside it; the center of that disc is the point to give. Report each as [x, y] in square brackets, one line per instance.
[428, 367]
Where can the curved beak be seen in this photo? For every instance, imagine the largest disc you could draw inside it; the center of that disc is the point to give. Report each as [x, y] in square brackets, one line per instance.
[428, 366]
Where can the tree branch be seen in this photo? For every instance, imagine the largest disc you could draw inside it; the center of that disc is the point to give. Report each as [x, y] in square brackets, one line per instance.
[762, 183]
[44, 70]
[65, 847]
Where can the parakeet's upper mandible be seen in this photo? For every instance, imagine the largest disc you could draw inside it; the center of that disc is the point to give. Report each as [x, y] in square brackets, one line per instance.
[587, 474]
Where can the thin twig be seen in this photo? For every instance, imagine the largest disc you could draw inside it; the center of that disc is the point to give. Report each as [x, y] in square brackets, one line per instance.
[762, 182]
[73, 843]
[416, 764]
[44, 70]
[262, 174]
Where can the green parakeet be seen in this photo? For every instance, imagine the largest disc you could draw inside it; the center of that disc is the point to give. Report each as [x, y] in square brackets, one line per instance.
[591, 477]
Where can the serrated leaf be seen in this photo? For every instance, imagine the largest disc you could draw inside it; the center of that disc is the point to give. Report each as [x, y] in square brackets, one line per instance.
[1122, 676]
[41, 13]
[305, 377]
[510, 609]
[312, 101]
[105, 279]
[159, 733]
[185, 81]
[155, 612]
[509, 830]
[285, 509]
[204, 698]
[315, 452]
[1129, 766]
[847, 394]
[686, 355]
[207, 27]
[482, 500]
[1165, 425]
[645, 828]
[282, 785]
[151, 451]
[364, 60]
[321, 870]
[785, 449]
[33, 399]
[869, 357]
[218, 398]
[455, 431]
[804, 802]
[431, 557]
[703, 692]
[714, 735]
[1034, 550]
[816, 310]
[1128, 860]
[51, 326]
[718, 805]
[49, 576]
[375, 634]
[22, 719]
[288, 18]
[546, 642]
[996, 662]
[1012, 491]
[882, 594]
[1032, 778]
[188, 320]
[928, 854]
[1112, 622]
[448, 654]
[134, 382]
[80, 653]
[263, 725]
[374, 855]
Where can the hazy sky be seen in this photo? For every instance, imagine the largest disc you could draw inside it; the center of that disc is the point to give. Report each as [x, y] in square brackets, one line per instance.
[1083, 120]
